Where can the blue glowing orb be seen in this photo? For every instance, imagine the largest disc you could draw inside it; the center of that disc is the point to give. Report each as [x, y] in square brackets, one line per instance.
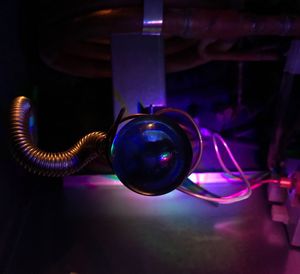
[151, 155]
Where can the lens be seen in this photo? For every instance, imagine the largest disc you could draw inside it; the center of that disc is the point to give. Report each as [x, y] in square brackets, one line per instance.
[151, 155]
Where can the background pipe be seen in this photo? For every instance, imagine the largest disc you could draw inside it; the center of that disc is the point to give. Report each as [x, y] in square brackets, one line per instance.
[79, 44]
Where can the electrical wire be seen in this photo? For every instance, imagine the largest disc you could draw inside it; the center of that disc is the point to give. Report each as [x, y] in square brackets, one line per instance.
[255, 177]
[260, 183]
[223, 200]
[216, 136]
[237, 196]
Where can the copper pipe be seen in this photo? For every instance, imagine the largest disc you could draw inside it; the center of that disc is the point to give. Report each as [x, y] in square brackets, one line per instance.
[245, 56]
[186, 23]
[66, 45]
[93, 68]
[199, 23]
[193, 58]
[51, 11]
[98, 50]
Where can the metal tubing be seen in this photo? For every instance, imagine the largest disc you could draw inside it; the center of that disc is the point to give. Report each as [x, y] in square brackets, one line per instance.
[46, 163]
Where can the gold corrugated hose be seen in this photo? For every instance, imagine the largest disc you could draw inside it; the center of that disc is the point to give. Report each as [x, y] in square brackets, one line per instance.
[55, 164]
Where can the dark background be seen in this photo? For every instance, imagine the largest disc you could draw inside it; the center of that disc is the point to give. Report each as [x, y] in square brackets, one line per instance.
[35, 230]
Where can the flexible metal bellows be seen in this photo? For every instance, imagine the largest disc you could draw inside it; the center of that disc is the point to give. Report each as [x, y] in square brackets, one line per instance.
[47, 163]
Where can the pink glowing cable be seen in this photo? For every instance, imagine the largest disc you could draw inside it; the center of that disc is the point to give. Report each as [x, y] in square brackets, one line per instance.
[238, 196]
[260, 183]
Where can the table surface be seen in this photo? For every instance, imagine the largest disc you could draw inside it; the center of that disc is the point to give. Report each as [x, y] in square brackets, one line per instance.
[96, 225]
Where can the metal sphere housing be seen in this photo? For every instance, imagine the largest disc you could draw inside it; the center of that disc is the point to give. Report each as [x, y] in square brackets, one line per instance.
[151, 155]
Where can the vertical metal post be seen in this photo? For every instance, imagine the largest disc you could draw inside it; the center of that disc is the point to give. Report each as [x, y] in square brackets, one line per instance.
[138, 63]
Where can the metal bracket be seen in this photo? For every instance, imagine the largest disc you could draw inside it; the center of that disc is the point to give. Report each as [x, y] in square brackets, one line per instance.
[153, 17]
[138, 63]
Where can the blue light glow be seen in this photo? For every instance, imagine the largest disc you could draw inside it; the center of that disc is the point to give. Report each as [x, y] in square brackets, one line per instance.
[153, 135]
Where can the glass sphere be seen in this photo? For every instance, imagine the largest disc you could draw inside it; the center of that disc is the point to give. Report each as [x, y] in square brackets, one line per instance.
[151, 155]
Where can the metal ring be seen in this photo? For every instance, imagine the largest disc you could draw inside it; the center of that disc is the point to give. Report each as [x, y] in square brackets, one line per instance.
[153, 17]
[198, 152]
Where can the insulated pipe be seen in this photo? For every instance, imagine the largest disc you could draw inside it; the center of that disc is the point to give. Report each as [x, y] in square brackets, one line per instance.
[79, 45]
[185, 23]
[47, 163]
